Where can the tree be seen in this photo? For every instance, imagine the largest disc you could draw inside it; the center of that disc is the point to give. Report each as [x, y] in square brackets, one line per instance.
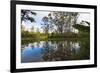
[82, 28]
[59, 21]
[47, 24]
[37, 30]
[32, 28]
[25, 15]
[64, 20]
[22, 28]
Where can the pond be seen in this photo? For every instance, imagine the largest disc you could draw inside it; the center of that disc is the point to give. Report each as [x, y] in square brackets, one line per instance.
[62, 50]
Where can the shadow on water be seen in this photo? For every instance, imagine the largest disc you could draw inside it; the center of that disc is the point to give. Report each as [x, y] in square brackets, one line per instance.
[55, 50]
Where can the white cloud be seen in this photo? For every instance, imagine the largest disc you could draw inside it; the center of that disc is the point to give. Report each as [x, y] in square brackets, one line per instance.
[83, 16]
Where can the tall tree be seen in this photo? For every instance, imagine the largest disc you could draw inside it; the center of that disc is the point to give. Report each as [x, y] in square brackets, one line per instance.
[47, 24]
[70, 20]
[64, 20]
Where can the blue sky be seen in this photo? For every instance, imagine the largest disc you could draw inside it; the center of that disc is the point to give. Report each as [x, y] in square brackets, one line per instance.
[38, 18]
[41, 14]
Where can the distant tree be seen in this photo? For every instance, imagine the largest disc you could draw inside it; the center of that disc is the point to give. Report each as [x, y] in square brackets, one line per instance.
[37, 30]
[25, 15]
[32, 28]
[22, 28]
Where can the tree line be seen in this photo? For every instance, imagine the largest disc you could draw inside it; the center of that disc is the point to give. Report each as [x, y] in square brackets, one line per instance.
[55, 24]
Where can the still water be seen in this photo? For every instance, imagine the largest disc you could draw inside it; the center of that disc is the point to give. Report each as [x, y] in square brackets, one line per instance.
[65, 50]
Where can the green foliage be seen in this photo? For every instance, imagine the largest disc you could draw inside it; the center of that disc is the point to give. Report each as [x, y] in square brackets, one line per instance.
[64, 35]
[33, 35]
[59, 23]
[82, 28]
[84, 31]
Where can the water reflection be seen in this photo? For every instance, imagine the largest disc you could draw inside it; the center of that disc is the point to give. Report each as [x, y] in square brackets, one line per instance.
[55, 51]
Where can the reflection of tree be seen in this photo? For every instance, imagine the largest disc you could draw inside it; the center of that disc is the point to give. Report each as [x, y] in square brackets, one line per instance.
[49, 49]
[85, 49]
[32, 46]
[63, 51]
[60, 51]
[38, 44]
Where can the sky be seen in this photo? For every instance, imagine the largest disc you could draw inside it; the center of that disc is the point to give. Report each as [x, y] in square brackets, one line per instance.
[38, 18]
[41, 14]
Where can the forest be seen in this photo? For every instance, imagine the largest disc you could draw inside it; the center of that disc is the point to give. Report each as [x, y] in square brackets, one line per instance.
[55, 25]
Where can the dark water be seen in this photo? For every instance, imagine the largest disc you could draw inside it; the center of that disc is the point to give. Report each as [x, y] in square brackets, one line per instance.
[43, 51]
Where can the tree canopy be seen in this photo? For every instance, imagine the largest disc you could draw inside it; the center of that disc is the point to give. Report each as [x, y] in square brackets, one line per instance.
[25, 15]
